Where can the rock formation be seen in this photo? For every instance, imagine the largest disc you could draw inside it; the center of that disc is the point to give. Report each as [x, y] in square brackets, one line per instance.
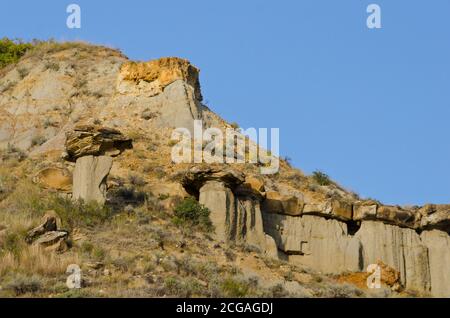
[317, 233]
[234, 205]
[92, 149]
[286, 215]
[48, 235]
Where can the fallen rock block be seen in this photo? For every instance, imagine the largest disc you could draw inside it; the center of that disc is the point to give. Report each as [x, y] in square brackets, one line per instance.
[49, 223]
[53, 241]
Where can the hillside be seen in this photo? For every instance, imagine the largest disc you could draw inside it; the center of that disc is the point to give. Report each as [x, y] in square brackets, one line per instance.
[79, 121]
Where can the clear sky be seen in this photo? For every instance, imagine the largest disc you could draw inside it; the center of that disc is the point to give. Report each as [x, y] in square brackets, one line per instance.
[369, 107]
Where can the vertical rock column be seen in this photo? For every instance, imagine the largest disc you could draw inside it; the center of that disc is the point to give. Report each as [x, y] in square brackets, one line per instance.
[89, 178]
[220, 201]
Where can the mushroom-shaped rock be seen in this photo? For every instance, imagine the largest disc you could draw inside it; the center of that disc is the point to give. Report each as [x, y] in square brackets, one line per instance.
[195, 178]
[92, 148]
[91, 140]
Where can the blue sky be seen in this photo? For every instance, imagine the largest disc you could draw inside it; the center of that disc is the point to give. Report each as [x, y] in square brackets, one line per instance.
[368, 107]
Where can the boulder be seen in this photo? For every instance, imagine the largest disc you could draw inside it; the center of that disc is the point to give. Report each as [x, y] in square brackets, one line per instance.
[53, 241]
[48, 235]
[54, 178]
[315, 242]
[91, 140]
[438, 244]
[282, 204]
[89, 178]
[50, 222]
[435, 216]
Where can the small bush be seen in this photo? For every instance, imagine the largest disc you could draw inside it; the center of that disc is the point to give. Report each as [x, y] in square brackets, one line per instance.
[136, 180]
[321, 178]
[190, 212]
[12, 50]
[75, 214]
[234, 288]
[52, 66]
[21, 284]
[23, 72]
[38, 140]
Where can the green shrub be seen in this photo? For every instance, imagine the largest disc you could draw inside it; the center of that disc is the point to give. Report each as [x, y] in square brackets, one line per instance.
[78, 213]
[321, 178]
[234, 288]
[12, 50]
[190, 212]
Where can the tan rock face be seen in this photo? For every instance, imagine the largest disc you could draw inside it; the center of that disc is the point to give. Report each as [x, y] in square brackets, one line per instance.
[315, 242]
[400, 249]
[89, 140]
[438, 244]
[155, 75]
[282, 204]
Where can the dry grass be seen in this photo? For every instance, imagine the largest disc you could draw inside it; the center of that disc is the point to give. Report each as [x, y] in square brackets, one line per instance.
[35, 260]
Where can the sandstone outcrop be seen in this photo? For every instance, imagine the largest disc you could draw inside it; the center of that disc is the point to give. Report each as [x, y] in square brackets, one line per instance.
[435, 216]
[438, 244]
[89, 178]
[54, 178]
[282, 204]
[333, 208]
[315, 242]
[399, 248]
[90, 140]
[234, 206]
[156, 75]
[395, 215]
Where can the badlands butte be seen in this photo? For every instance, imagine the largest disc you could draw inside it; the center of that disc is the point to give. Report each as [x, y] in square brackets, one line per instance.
[86, 178]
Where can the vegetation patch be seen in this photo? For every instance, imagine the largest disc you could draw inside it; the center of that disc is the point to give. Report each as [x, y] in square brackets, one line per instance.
[190, 212]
